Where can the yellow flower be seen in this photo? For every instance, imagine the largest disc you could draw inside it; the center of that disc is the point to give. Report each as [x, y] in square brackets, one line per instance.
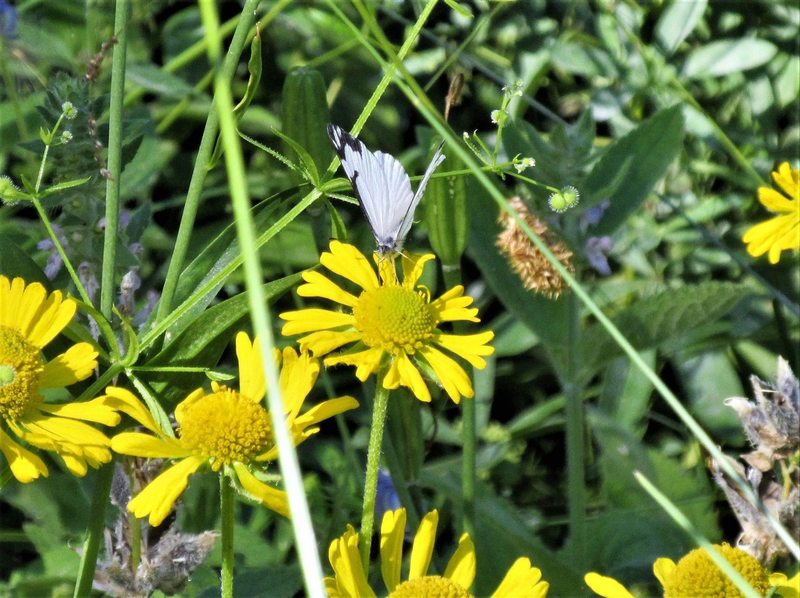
[227, 429]
[29, 320]
[697, 575]
[783, 231]
[522, 580]
[394, 326]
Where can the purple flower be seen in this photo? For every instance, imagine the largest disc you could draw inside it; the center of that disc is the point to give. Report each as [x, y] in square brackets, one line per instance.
[596, 250]
[8, 20]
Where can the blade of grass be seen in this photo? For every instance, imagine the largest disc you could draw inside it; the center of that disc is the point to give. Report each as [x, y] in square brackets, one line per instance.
[305, 539]
[686, 525]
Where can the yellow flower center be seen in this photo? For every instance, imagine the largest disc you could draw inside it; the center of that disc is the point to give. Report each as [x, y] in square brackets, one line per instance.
[697, 575]
[20, 369]
[394, 318]
[431, 586]
[225, 427]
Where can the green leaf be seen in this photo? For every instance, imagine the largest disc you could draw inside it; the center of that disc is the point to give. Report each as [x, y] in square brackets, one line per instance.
[636, 162]
[202, 343]
[677, 22]
[462, 10]
[17, 262]
[254, 69]
[708, 380]
[305, 157]
[653, 321]
[64, 185]
[728, 56]
[158, 81]
[502, 535]
[545, 317]
[216, 255]
[619, 455]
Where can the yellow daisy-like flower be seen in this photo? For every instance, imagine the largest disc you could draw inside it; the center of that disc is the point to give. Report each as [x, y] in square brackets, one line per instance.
[782, 231]
[697, 575]
[521, 581]
[393, 325]
[29, 320]
[226, 429]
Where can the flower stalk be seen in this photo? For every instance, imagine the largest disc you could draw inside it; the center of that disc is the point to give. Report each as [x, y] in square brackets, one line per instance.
[379, 408]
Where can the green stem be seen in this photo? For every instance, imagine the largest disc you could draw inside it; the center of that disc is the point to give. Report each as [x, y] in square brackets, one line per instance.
[107, 286]
[60, 249]
[373, 460]
[452, 277]
[200, 170]
[97, 521]
[226, 507]
[576, 487]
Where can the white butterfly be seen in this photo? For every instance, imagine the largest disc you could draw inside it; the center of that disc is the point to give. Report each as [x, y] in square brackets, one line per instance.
[382, 188]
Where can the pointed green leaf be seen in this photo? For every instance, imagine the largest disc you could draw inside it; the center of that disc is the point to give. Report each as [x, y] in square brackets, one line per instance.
[637, 162]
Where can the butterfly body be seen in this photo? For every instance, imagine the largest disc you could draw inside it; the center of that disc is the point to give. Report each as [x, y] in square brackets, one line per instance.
[382, 187]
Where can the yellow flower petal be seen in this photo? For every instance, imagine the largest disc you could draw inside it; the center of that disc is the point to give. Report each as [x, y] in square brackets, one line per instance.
[297, 378]
[393, 529]
[137, 444]
[76, 364]
[318, 285]
[251, 371]
[346, 562]
[324, 341]
[39, 317]
[522, 580]
[24, 465]
[422, 549]
[663, 569]
[348, 262]
[272, 498]
[413, 268]
[124, 400]
[607, 587]
[158, 497]
[788, 179]
[452, 376]
[468, 346]
[787, 587]
[325, 410]
[774, 201]
[461, 567]
[367, 362]
[308, 320]
[402, 372]
[96, 410]
[43, 430]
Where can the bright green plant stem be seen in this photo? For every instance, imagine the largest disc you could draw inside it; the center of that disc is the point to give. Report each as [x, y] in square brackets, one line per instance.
[417, 97]
[200, 171]
[575, 431]
[259, 311]
[681, 520]
[452, 277]
[102, 486]
[227, 512]
[107, 285]
[97, 520]
[373, 461]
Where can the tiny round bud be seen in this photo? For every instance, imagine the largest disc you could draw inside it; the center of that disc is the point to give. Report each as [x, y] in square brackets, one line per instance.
[567, 197]
[69, 110]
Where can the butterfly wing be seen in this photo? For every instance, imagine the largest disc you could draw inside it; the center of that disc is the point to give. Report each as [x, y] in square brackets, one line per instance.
[381, 185]
[408, 217]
